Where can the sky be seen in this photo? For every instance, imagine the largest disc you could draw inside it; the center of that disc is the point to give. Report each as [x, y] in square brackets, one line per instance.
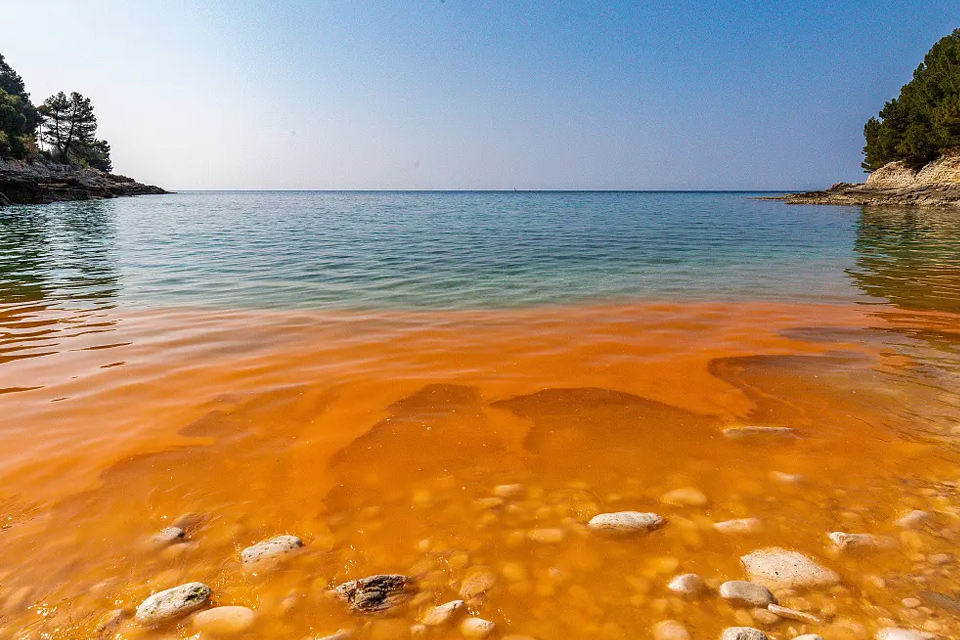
[477, 94]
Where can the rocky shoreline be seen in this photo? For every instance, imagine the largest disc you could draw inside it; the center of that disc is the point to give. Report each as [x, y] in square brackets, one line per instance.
[944, 196]
[936, 184]
[43, 182]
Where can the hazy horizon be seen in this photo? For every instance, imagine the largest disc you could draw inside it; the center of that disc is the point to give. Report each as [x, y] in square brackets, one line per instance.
[455, 95]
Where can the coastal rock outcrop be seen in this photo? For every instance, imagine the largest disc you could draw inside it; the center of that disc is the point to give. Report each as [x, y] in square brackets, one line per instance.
[936, 184]
[42, 182]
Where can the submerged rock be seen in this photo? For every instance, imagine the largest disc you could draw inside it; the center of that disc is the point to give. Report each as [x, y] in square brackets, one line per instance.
[626, 522]
[743, 633]
[860, 541]
[793, 614]
[914, 519]
[688, 584]
[777, 568]
[476, 628]
[685, 497]
[174, 603]
[271, 549]
[670, 630]
[742, 526]
[170, 535]
[477, 583]
[752, 432]
[376, 593]
[746, 593]
[444, 613]
[224, 621]
[896, 633]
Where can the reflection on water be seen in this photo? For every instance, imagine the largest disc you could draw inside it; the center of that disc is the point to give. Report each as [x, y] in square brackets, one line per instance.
[58, 275]
[909, 257]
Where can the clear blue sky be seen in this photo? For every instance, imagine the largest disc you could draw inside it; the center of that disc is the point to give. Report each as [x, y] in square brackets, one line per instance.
[478, 93]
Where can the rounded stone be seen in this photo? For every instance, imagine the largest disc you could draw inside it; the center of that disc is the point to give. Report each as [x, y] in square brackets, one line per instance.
[896, 633]
[740, 526]
[809, 636]
[688, 584]
[793, 614]
[477, 583]
[670, 630]
[626, 522]
[224, 621]
[546, 536]
[376, 593]
[444, 613]
[271, 549]
[777, 568]
[174, 603]
[476, 628]
[746, 593]
[685, 497]
[743, 633]
[508, 490]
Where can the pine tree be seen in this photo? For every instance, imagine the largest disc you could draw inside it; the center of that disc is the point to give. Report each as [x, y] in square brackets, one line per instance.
[70, 128]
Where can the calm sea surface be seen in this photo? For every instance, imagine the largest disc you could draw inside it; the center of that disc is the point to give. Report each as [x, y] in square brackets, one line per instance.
[450, 386]
[448, 250]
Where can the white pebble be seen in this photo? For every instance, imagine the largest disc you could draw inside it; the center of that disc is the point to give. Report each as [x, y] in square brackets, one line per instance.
[743, 525]
[476, 628]
[626, 522]
[688, 584]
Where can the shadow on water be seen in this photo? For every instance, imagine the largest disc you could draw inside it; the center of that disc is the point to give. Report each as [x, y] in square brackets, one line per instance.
[58, 273]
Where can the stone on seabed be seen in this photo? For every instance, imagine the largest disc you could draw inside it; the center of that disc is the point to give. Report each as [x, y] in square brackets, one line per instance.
[443, 613]
[743, 525]
[224, 621]
[670, 630]
[743, 633]
[626, 522]
[270, 549]
[895, 633]
[376, 593]
[776, 568]
[685, 497]
[476, 628]
[171, 604]
[746, 593]
[913, 519]
[688, 584]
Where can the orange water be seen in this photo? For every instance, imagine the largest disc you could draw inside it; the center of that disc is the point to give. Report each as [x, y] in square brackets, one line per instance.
[376, 438]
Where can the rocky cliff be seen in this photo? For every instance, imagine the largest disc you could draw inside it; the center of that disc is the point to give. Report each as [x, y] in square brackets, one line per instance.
[935, 185]
[42, 182]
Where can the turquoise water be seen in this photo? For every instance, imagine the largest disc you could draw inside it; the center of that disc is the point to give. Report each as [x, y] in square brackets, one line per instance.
[472, 250]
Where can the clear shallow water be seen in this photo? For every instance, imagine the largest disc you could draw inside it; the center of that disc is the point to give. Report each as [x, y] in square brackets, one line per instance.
[472, 250]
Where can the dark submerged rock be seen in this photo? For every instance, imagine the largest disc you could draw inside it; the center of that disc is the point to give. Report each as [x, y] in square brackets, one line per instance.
[376, 593]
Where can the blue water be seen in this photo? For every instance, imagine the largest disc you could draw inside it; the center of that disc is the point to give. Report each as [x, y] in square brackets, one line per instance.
[472, 250]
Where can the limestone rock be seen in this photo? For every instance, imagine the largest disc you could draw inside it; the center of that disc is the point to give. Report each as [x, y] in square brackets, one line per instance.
[271, 549]
[626, 522]
[746, 593]
[895, 633]
[444, 613]
[740, 526]
[224, 621]
[777, 568]
[376, 593]
[793, 614]
[174, 603]
[743, 633]
[685, 497]
[476, 628]
[670, 630]
[688, 584]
